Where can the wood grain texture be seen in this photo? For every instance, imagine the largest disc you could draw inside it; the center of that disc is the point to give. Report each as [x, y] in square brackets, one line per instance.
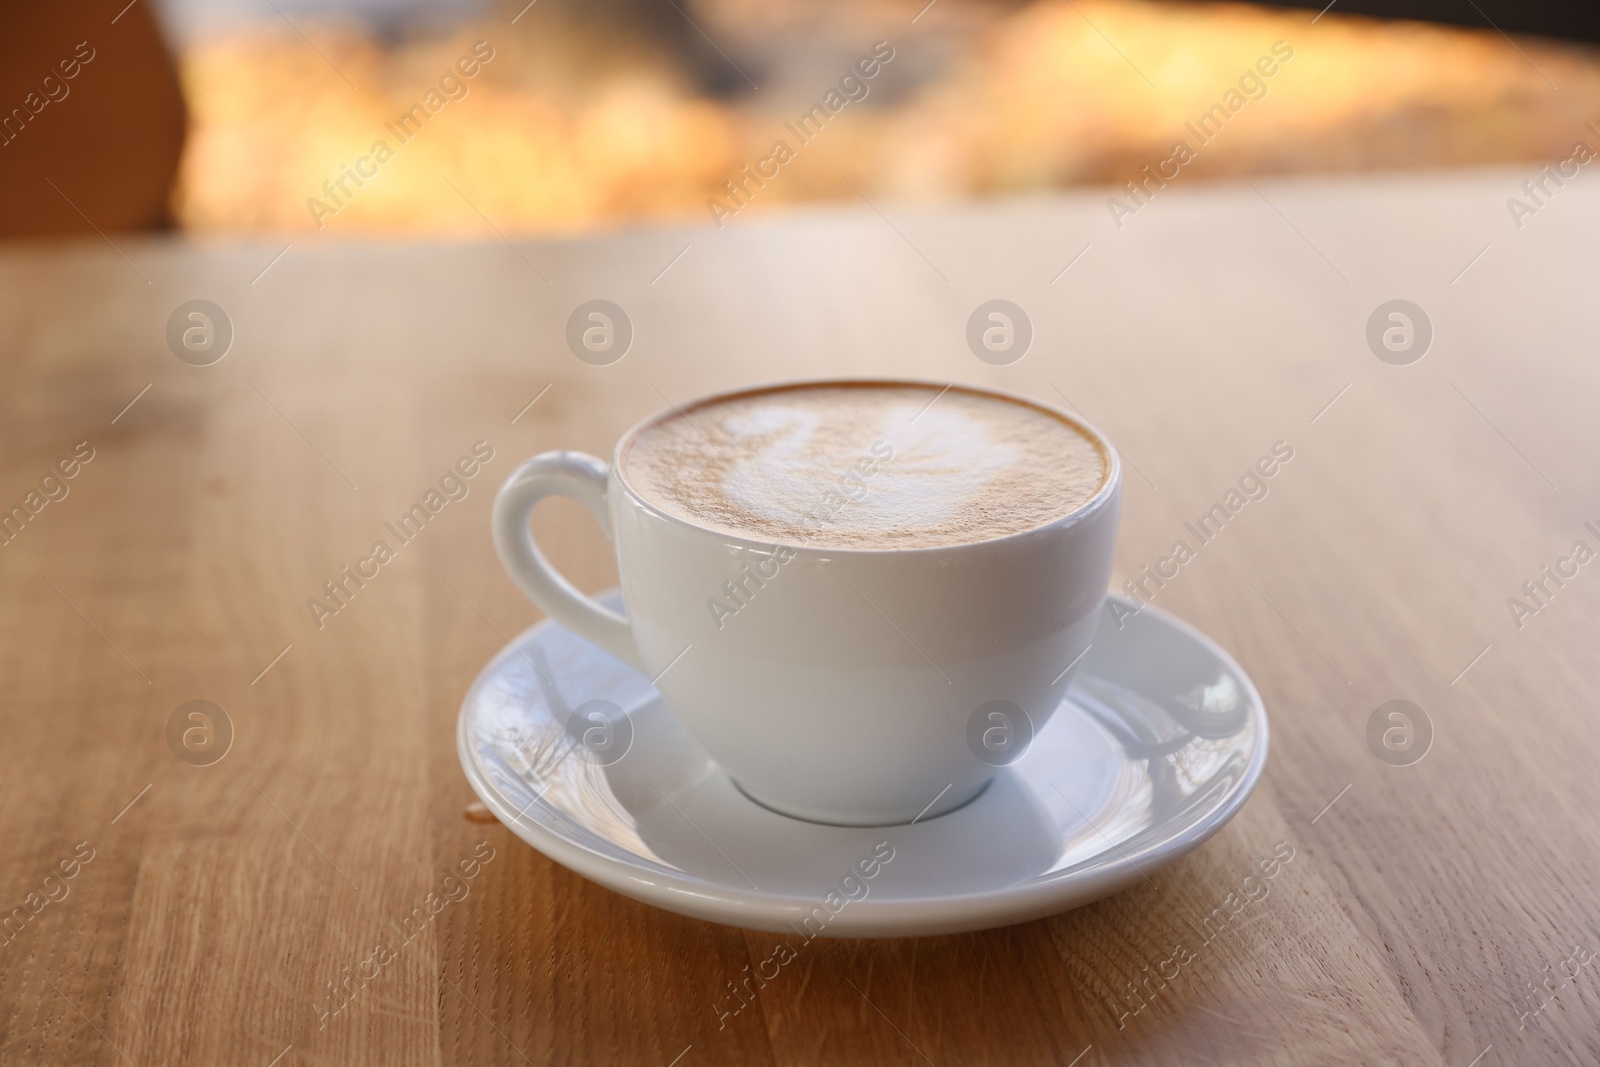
[1417, 911]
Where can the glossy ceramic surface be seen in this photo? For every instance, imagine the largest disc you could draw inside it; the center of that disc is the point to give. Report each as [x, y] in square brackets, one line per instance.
[1159, 741]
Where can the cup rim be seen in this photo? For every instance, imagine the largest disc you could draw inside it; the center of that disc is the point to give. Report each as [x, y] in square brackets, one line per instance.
[1109, 487]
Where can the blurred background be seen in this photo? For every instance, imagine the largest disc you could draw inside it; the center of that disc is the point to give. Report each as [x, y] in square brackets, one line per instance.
[241, 116]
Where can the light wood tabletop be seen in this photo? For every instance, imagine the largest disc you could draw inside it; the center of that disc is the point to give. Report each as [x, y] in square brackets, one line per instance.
[164, 906]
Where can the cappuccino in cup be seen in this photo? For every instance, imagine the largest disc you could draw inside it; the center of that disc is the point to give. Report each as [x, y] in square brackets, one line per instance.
[833, 585]
[915, 466]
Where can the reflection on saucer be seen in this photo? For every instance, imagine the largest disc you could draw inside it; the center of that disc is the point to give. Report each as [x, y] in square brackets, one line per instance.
[1160, 740]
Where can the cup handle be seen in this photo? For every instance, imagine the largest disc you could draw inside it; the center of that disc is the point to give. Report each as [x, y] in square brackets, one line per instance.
[583, 478]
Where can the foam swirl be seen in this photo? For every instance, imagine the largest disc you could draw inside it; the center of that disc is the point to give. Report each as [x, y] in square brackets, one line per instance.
[867, 465]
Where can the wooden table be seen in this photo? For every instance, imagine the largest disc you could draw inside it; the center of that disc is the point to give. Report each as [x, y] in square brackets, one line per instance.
[1422, 907]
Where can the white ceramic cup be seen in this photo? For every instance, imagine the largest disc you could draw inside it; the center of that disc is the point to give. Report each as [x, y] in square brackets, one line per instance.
[859, 687]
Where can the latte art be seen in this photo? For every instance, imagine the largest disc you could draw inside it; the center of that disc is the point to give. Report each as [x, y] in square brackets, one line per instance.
[868, 465]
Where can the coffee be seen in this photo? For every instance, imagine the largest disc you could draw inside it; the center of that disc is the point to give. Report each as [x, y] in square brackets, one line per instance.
[865, 465]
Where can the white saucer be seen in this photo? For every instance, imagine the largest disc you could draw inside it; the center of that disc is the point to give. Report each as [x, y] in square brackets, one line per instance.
[1161, 739]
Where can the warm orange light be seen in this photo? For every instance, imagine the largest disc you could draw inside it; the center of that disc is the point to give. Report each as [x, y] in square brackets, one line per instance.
[1055, 93]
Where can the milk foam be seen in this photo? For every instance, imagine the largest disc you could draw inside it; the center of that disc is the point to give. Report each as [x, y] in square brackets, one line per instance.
[865, 465]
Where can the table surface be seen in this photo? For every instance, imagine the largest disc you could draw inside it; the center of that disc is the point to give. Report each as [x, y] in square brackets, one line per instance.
[1439, 912]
